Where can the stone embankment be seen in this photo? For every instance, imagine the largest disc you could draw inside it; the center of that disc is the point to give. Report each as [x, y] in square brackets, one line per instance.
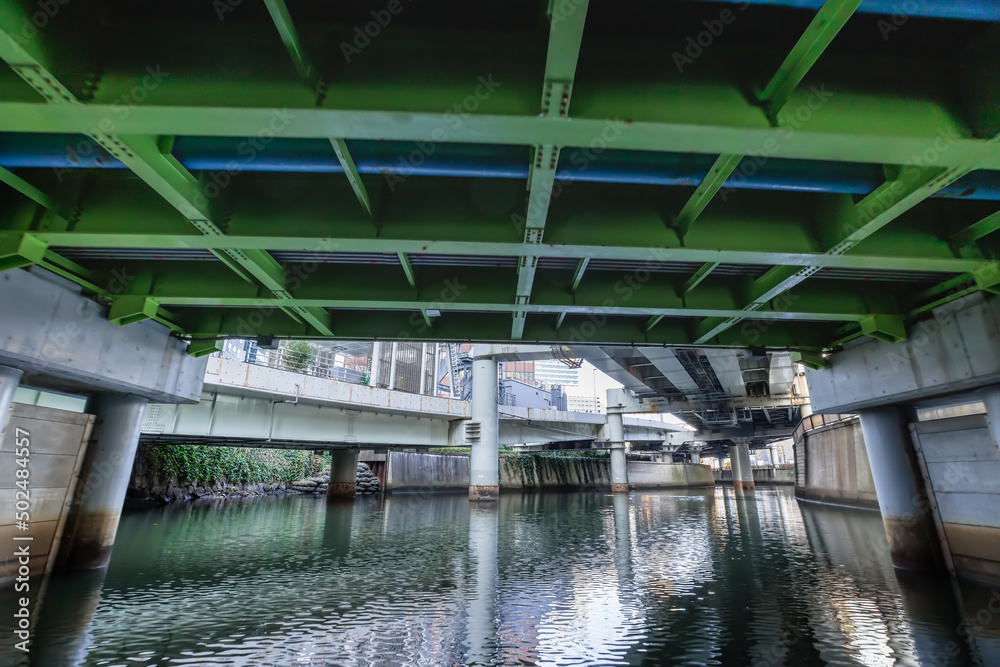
[145, 489]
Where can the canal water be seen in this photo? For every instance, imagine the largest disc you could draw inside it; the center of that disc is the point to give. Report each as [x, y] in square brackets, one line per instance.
[663, 578]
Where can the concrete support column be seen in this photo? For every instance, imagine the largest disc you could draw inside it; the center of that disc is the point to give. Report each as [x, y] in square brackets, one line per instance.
[374, 365]
[423, 369]
[394, 354]
[991, 399]
[616, 435]
[913, 540]
[739, 458]
[484, 460]
[103, 482]
[343, 474]
[616, 442]
[10, 378]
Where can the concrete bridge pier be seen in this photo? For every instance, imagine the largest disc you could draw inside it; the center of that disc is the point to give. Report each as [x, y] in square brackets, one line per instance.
[484, 459]
[10, 378]
[343, 475]
[739, 460]
[103, 481]
[616, 441]
[909, 525]
[991, 399]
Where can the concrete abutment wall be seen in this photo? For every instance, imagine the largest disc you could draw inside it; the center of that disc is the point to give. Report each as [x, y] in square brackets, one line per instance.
[437, 473]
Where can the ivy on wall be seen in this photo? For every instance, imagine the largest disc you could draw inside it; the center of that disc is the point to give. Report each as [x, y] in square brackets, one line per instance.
[532, 468]
[239, 465]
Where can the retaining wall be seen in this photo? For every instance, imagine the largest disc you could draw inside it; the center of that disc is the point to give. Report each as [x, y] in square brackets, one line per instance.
[55, 442]
[762, 476]
[962, 462]
[832, 466]
[410, 471]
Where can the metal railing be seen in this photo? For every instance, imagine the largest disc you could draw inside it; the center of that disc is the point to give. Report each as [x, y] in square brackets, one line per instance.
[815, 421]
[316, 364]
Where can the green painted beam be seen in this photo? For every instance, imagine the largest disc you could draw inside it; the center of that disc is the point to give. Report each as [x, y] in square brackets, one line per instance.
[290, 37]
[303, 64]
[828, 21]
[889, 328]
[26, 189]
[404, 261]
[841, 145]
[911, 186]
[18, 250]
[974, 232]
[703, 255]
[353, 177]
[566, 24]
[146, 157]
[581, 268]
[706, 190]
[367, 303]
[201, 348]
[697, 278]
[560, 319]
[652, 322]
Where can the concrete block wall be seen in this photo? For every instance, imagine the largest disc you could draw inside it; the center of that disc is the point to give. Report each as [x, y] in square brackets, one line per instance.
[836, 466]
[410, 471]
[643, 475]
[57, 443]
[962, 462]
[765, 476]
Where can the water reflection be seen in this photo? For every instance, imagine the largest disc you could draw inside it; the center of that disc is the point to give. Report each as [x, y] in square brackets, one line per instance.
[701, 577]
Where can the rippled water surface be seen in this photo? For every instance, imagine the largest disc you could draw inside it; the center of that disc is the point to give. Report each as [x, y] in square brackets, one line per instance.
[668, 578]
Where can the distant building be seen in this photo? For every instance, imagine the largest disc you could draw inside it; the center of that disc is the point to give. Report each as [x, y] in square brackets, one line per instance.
[592, 404]
[552, 372]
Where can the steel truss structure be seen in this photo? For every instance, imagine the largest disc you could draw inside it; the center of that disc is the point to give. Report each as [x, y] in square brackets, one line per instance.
[577, 171]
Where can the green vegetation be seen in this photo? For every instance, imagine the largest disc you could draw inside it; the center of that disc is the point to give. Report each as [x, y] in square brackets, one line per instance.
[193, 463]
[296, 355]
[532, 467]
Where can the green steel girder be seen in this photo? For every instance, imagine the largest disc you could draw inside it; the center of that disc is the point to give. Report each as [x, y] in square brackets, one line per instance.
[912, 184]
[290, 38]
[710, 185]
[566, 24]
[974, 232]
[303, 64]
[817, 143]
[26, 188]
[821, 31]
[495, 327]
[485, 290]
[145, 156]
[701, 255]
[705, 113]
[828, 21]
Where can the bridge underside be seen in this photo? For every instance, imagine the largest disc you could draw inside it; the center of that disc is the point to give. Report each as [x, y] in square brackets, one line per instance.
[647, 173]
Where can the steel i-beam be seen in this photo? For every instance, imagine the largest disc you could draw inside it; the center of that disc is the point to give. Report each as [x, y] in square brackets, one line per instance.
[565, 36]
